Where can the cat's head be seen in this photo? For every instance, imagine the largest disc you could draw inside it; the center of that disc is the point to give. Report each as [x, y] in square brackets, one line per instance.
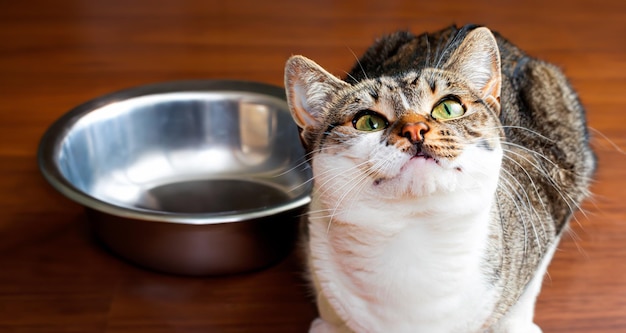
[430, 132]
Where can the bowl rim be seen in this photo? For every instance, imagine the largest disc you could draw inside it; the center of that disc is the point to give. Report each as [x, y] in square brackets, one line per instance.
[51, 140]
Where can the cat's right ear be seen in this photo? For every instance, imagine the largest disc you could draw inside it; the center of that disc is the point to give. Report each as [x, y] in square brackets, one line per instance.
[309, 89]
[478, 60]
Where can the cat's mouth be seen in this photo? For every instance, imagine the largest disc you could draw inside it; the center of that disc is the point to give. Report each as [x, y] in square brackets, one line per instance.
[424, 155]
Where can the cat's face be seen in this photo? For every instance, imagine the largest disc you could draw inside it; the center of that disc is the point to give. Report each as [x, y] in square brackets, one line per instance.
[431, 133]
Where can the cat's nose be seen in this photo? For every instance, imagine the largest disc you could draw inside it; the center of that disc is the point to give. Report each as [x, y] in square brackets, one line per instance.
[414, 132]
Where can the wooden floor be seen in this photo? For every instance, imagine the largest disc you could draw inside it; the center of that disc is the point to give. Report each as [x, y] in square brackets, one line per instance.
[57, 54]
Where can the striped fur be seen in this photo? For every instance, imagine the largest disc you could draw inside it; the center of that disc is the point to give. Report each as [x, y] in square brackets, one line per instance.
[437, 221]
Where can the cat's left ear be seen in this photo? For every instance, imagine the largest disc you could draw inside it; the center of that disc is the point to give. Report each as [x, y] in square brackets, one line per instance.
[478, 60]
[309, 90]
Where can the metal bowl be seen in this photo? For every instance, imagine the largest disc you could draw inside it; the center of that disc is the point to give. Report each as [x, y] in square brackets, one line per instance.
[191, 177]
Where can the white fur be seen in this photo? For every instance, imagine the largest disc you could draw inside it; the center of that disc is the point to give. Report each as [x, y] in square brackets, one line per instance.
[402, 254]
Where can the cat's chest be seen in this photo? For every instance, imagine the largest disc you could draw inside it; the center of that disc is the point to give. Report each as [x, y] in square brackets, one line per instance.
[429, 277]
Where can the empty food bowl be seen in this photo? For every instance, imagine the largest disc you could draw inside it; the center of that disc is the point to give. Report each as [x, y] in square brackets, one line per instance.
[194, 177]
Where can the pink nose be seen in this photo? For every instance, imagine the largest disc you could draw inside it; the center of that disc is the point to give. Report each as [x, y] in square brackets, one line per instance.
[415, 131]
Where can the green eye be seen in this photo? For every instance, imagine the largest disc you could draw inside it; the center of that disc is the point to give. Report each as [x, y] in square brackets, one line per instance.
[448, 109]
[369, 121]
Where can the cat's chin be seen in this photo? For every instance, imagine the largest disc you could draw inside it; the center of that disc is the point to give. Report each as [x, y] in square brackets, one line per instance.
[423, 176]
[421, 158]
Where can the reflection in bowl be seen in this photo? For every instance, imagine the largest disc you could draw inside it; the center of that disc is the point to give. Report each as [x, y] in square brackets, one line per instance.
[191, 177]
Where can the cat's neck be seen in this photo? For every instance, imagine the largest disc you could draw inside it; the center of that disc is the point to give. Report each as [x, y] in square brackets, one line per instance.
[461, 225]
[428, 261]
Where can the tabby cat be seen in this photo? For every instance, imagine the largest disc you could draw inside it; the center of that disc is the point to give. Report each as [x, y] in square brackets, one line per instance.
[446, 168]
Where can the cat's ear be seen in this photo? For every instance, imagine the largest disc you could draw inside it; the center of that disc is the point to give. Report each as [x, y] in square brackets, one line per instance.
[309, 88]
[478, 60]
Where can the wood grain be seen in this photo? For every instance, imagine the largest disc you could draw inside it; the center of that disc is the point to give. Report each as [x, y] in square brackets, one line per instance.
[57, 54]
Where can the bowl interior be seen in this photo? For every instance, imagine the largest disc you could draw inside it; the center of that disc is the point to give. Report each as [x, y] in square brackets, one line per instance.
[213, 152]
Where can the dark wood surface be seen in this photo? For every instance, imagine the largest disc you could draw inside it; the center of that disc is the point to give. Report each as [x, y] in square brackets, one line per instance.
[57, 54]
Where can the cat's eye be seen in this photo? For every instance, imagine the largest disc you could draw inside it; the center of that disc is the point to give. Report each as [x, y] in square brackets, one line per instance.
[448, 109]
[369, 121]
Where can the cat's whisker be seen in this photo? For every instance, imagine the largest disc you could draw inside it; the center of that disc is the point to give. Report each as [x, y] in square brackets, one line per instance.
[524, 129]
[292, 169]
[345, 173]
[567, 199]
[348, 173]
[358, 61]
[551, 180]
[306, 159]
[528, 212]
[427, 42]
[442, 53]
[535, 164]
[608, 140]
[306, 163]
[532, 183]
[315, 215]
[576, 240]
[361, 185]
[503, 186]
[348, 75]
[359, 180]
[533, 214]
[543, 157]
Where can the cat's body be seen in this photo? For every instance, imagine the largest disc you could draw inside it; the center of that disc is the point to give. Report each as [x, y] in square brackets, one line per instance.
[444, 175]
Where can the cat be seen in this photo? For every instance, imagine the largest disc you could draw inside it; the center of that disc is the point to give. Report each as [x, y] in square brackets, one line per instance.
[446, 168]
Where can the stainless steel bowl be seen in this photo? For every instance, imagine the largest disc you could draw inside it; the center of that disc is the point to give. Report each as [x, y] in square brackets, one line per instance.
[191, 177]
